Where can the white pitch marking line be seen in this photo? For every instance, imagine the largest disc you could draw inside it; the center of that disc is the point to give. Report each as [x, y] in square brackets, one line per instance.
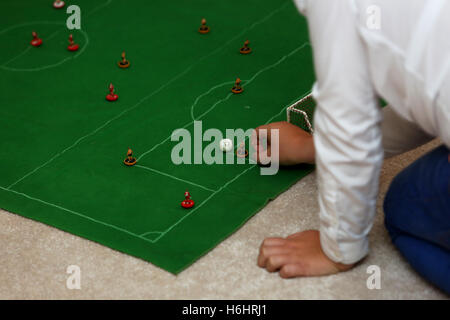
[175, 178]
[65, 150]
[75, 213]
[150, 232]
[29, 48]
[282, 110]
[29, 24]
[18, 56]
[247, 82]
[225, 185]
[126, 231]
[4, 66]
[54, 64]
[252, 26]
[118, 228]
[107, 3]
[206, 93]
[200, 205]
[148, 96]
[215, 105]
[290, 103]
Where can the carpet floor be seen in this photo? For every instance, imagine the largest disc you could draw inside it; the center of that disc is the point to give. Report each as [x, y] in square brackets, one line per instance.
[35, 257]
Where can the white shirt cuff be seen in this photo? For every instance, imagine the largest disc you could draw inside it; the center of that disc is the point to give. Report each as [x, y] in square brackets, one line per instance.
[344, 251]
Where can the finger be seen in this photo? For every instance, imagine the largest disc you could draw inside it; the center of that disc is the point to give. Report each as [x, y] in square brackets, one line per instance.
[263, 132]
[294, 235]
[268, 242]
[254, 147]
[263, 156]
[303, 234]
[254, 139]
[276, 262]
[274, 241]
[256, 142]
[264, 126]
[260, 146]
[266, 252]
[293, 270]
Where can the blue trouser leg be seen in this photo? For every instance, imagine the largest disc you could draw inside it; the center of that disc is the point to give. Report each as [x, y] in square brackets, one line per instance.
[417, 216]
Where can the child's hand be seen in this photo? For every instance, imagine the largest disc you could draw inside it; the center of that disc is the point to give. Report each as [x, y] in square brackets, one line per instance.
[298, 255]
[295, 145]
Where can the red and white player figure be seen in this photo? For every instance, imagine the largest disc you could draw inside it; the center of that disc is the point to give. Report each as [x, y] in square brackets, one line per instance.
[58, 4]
[111, 96]
[187, 202]
[36, 42]
[72, 46]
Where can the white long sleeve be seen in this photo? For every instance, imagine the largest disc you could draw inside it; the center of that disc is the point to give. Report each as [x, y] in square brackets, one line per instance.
[347, 138]
[407, 62]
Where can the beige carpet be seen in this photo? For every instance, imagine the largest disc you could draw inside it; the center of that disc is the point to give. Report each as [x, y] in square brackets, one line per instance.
[34, 258]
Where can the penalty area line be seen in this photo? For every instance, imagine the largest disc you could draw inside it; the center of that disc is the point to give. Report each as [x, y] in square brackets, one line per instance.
[75, 213]
[175, 178]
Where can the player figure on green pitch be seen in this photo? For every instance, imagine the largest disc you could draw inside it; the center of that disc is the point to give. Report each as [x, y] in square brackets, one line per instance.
[203, 28]
[124, 63]
[130, 160]
[237, 88]
[246, 49]
[36, 42]
[241, 152]
[58, 4]
[187, 203]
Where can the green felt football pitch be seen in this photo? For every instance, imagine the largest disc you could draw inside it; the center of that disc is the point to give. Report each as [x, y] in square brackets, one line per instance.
[63, 144]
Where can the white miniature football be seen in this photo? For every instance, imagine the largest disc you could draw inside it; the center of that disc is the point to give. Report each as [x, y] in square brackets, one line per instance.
[226, 145]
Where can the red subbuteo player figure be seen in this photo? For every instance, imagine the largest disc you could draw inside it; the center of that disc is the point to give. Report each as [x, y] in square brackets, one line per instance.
[58, 4]
[72, 46]
[36, 42]
[111, 95]
[187, 202]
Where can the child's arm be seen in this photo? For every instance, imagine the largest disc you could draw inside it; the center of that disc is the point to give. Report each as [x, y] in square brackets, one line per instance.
[348, 150]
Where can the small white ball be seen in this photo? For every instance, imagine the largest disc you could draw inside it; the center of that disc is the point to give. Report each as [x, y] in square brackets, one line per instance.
[226, 145]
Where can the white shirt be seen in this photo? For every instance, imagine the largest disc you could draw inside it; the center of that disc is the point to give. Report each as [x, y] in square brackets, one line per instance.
[406, 61]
